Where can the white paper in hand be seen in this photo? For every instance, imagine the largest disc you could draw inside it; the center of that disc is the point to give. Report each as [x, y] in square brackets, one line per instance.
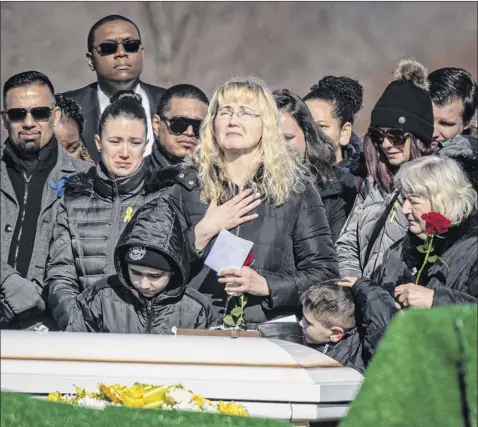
[228, 251]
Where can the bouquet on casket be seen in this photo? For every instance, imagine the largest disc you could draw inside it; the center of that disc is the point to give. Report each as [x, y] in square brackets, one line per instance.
[147, 396]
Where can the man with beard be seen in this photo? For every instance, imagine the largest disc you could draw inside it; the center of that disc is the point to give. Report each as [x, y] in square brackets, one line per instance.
[34, 170]
[455, 97]
[115, 53]
[176, 124]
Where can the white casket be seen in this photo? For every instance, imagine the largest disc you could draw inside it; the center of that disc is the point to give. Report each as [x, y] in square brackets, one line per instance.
[271, 378]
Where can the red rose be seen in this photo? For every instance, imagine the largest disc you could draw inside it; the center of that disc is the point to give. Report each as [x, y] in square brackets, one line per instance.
[436, 223]
[249, 260]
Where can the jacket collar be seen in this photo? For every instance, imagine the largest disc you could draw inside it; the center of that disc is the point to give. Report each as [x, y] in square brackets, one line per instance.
[28, 163]
[124, 186]
[161, 158]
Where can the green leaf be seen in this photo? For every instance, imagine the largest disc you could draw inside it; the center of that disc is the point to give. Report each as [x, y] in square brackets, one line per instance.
[228, 320]
[244, 302]
[432, 258]
[240, 322]
[237, 311]
[421, 249]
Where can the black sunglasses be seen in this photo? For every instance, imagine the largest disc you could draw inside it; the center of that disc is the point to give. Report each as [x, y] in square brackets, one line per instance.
[396, 136]
[178, 125]
[111, 47]
[39, 114]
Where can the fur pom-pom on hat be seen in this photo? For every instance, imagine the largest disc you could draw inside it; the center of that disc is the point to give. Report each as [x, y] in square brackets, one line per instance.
[412, 70]
[406, 102]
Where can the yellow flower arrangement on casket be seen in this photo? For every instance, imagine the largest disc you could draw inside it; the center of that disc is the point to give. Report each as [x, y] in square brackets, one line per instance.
[147, 396]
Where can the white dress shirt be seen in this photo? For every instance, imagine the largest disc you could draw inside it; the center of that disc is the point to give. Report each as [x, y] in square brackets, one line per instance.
[104, 102]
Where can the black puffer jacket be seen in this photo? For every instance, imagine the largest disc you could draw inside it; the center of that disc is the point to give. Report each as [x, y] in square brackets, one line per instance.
[338, 197]
[454, 282]
[292, 248]
[113, 305]
[92, 215]
[374, 307]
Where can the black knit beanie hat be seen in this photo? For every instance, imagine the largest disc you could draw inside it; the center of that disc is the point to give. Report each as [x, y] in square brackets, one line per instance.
[140, 255]
[406, 103]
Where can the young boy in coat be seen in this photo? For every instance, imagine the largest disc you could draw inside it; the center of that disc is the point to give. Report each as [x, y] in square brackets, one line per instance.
[148, 293]
[346, 323]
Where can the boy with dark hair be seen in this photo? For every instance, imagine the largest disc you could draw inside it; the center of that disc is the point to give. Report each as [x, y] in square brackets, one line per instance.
[346, 323]
[148, 293]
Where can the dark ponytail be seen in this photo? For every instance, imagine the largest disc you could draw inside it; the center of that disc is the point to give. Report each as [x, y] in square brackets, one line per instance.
[124, 103]
[344, 93]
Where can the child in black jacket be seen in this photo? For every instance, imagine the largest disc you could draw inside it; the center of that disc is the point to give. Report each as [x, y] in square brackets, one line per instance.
[346, 323]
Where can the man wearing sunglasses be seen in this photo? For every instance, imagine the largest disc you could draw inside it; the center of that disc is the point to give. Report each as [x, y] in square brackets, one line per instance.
[179, 114]
[34, 166]
[115, 54]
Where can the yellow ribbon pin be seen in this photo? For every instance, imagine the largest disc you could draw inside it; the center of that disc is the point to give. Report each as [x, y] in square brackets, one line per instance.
[129, 214]
[393, 212]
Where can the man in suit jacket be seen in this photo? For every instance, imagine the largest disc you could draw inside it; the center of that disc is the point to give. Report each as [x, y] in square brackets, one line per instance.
[115, 53]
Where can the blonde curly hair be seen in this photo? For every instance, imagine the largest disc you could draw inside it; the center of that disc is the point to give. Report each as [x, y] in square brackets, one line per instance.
[280, 167]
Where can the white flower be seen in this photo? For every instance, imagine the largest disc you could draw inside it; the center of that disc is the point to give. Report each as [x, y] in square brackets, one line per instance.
[180, 395]
[92, 403]
[186, 406]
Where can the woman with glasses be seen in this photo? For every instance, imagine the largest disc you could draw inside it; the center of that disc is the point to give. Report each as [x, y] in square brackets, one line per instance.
[401, 130]
[97, 205]
[244, 178]
[336, 186]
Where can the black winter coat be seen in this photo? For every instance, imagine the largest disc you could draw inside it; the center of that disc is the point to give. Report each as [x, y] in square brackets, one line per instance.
[338, 197]
[374, 307]
[454, 282]
[292, 248]
[113, 305]
[92, 215]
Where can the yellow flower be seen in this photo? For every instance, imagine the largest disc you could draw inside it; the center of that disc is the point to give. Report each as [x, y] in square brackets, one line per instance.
[55, 397]
[231, 408]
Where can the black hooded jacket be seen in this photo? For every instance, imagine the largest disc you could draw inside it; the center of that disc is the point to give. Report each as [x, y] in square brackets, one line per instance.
[374, 309]
[455, 280]
[292, 248]
[92, 215]
[113, 305]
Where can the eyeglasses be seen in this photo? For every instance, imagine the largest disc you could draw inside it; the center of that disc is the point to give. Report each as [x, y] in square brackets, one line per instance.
[39, 114]
[179, 124]
[242, 115]
[111, 47]
[396, 136]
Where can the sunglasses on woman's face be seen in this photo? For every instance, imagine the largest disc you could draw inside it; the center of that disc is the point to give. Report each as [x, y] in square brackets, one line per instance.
[395, 136]
[111, 47]
[39, 114]
[178, 125]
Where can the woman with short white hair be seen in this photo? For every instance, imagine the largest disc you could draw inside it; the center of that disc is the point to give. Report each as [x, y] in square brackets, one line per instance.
[243, 177]
[436, 262]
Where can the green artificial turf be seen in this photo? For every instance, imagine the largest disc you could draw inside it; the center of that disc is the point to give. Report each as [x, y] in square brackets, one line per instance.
[413, 379]
[18, 410]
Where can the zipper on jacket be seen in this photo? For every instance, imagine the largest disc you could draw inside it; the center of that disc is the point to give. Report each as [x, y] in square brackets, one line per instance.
[22, 217]
[239, 226]
[149, 314]
[115, 224]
